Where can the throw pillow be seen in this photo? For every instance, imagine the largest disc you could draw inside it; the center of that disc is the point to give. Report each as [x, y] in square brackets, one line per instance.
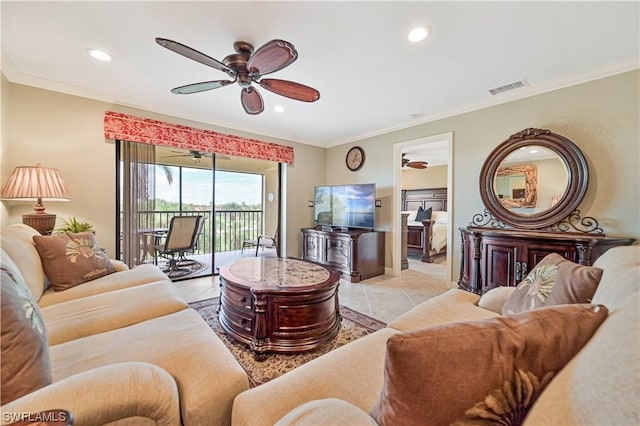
[474, 370]
[423, 214]
[71, 259]
[554, 281]
[24, 346]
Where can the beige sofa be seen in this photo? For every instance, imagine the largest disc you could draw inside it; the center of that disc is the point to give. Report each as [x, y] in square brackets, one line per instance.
[599, 386]
[124, 348]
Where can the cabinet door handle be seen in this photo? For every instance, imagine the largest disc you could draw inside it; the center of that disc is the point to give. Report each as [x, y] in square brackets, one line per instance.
[523, 271]
[517, 271]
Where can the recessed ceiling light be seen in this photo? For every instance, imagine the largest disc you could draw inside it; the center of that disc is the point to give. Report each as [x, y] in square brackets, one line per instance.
[99, 55]
[418, 34]
[278, 108]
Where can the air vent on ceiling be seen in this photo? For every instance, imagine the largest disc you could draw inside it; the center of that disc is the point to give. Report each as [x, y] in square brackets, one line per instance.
[507, 87]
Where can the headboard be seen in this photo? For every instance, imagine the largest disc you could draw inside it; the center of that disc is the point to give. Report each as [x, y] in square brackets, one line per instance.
[436, 198]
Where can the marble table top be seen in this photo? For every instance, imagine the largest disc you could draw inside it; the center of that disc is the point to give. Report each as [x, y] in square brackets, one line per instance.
[279, 272]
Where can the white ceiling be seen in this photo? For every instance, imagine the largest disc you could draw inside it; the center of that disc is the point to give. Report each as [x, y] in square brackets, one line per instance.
[371, 79]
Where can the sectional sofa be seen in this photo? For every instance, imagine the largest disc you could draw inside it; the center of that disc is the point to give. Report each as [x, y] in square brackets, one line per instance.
[599, 386]
[124, 349]
[120, 348]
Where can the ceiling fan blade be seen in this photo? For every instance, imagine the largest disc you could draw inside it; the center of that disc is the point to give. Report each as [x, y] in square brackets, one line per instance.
[190, 53]
[200, 87]
[272, 56]
[251, 101]
[417, 164]
[290, 89]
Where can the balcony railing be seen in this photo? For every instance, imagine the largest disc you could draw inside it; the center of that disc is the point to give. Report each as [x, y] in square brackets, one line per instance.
[228, 229]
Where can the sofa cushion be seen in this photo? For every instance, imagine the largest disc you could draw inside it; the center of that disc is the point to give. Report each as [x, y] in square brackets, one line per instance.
[554, 281]
[207, 374]
[600, 385]
[139, 275]
[71, 259]
[111, 310]
[494, 299]
[17, 241]
[352, 372]
[437, 374]
[620, 276]
[25, 350]
[447, 307]
[326, 412]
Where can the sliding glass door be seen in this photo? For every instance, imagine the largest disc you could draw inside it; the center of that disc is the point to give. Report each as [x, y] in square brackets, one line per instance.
[237, 199]
[245, 208]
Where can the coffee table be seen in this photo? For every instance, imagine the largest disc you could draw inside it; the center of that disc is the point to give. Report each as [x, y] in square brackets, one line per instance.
[279, 304]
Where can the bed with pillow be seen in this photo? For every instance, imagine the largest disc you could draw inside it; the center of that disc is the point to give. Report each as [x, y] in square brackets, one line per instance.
[427, 222]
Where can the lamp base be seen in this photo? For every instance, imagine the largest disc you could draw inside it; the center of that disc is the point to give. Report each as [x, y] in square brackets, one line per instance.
[41, 222]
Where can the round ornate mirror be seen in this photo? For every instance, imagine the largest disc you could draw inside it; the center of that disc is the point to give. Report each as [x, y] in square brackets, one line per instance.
[534, 179]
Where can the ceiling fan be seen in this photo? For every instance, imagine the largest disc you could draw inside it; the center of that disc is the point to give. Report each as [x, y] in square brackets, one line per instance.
[246, 67]
[413, 164]
[198, 155]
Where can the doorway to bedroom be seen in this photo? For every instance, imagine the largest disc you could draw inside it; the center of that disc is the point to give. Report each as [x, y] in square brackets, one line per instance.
[422, 190]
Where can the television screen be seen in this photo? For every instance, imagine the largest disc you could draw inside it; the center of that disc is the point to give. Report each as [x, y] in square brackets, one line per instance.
[346, 206]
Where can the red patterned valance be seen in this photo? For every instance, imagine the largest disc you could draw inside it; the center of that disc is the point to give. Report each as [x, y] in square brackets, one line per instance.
[144, 130]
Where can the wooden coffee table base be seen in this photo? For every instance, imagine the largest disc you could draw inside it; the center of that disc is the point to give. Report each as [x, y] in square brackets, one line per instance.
[279, 305]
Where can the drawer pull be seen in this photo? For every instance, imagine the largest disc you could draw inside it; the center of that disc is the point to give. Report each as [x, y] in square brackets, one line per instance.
[244, 325]
[245, 303]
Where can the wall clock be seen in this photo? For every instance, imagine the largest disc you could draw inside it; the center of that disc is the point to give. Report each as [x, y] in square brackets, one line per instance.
[355, 158]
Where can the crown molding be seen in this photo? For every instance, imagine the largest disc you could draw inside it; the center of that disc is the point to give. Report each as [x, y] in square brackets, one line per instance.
[525, 92]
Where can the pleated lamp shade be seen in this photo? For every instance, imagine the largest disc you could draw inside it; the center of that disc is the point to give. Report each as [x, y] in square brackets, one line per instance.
[36, 183]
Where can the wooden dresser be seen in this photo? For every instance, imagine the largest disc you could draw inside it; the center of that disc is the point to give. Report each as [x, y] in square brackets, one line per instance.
[496, 257]
[357, 253]
[531, 185]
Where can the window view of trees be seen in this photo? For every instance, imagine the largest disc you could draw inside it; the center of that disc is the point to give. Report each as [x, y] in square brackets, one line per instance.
[190, 191]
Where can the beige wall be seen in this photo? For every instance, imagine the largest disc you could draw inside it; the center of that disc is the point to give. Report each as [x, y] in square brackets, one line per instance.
[5, 169]
[601, 117]
[66, 132]
[431, 177]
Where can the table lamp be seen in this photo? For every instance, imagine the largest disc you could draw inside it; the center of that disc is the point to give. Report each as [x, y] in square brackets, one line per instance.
[39, 183]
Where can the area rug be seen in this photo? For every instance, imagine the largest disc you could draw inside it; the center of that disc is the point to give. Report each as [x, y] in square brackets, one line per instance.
[354, 326]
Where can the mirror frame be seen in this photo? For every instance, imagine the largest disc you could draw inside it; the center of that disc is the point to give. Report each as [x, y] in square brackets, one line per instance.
[577, 173]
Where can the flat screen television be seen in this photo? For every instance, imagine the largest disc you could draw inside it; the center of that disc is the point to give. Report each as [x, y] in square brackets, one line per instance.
[345, 206]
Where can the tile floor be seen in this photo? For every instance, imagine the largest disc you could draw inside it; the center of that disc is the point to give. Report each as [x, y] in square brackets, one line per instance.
[383, 297]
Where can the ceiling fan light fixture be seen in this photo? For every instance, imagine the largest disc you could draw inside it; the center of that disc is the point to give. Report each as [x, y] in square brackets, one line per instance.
[100, 55]
[418, 34]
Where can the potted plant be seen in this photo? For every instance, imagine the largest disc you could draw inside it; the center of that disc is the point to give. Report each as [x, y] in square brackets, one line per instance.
[73, 225]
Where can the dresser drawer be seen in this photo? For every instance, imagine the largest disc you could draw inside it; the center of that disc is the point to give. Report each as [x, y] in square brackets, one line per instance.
[238, 322]
[237, 299]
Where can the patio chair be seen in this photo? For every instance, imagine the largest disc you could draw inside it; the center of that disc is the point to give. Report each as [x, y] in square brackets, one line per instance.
[179, 239]
[182, 258]
[264, 241]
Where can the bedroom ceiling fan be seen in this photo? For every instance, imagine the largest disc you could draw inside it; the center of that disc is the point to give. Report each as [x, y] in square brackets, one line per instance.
[246, 67]
[413, 164]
